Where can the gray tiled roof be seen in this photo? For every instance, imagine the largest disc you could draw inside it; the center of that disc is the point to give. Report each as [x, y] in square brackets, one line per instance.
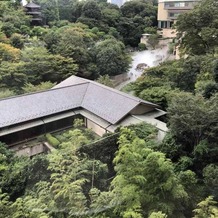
[32, 5]
[31, 106]
[72, 80]
[107, 103]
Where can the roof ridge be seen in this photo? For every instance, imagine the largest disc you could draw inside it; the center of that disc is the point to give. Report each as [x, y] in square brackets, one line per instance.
[85, 93]
[43, 91]
[122, 93]
[32, 3]
[115, 90]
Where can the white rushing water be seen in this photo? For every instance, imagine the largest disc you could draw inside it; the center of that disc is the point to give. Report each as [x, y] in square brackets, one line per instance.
[150, 57]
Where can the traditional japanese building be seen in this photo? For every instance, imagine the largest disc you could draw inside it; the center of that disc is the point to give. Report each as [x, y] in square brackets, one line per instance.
[103, 109]
[34, 11]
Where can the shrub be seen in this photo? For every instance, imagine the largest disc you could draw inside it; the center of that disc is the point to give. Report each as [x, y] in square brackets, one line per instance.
[150, 30]
[78, 123]
[142, 47]
[17, 41]
[52, 140]
[171, 47]
[61, 138]
[153, 40]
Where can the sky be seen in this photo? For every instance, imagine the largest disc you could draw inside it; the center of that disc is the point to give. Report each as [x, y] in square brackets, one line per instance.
[24, 2]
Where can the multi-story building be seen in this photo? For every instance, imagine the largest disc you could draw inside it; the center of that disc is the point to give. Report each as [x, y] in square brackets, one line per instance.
[34, 11]
[168, 11]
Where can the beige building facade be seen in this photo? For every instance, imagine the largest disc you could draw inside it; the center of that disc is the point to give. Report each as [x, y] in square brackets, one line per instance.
[169, 10]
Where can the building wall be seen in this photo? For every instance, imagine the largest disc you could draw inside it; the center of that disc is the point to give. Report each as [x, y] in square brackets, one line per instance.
[160, 135]
[162, 13]
[95, 127]
[144, 38]
[168, 11]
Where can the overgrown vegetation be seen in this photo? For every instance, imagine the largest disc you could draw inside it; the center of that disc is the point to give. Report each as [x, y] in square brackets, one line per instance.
[107, 178]
[86, 38]
[126, 174]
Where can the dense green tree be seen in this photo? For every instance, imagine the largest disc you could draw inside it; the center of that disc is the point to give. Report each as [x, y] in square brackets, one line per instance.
[185, 74]
[170, 148]
[193, 123]
[145, 180]
[153, 40]
[9, 53]
[51, 39]
[215, 71]
[17, 41]
[210, 173]
[157, 215]
[75, 43]
[4, 93]
[3, 38]
[12, 75]
[105, 80]
[77, 9]
[157, 95]
[67, 181]
[206, 209]
[136, 15]
[192, 118]
[133, 8]
[91, 10]
[13, 173]
[40, 66]
[28, 207]
[5, 158]
[111, 58]
[14, 19]
[198, 28]
[50, 10]
[145, 131]
[210, 89]
[65, 9]
[191, 185]
[111, 16]
[42, 86]
[5, 205]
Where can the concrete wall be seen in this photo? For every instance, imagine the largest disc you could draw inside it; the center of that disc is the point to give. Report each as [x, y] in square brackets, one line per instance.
[95, 127]
[120, 78]
[160, 135]
[144, 38]
[31, 151]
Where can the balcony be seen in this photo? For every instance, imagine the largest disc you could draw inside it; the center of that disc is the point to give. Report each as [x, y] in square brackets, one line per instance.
[178, 8]
[179, 5]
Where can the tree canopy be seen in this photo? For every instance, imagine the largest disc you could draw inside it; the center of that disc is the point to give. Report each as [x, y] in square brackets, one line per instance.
[198, 28]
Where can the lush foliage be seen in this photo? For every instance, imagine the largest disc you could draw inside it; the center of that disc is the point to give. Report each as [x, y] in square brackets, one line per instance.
[87, 38]
[129, 173]
[199, 28]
